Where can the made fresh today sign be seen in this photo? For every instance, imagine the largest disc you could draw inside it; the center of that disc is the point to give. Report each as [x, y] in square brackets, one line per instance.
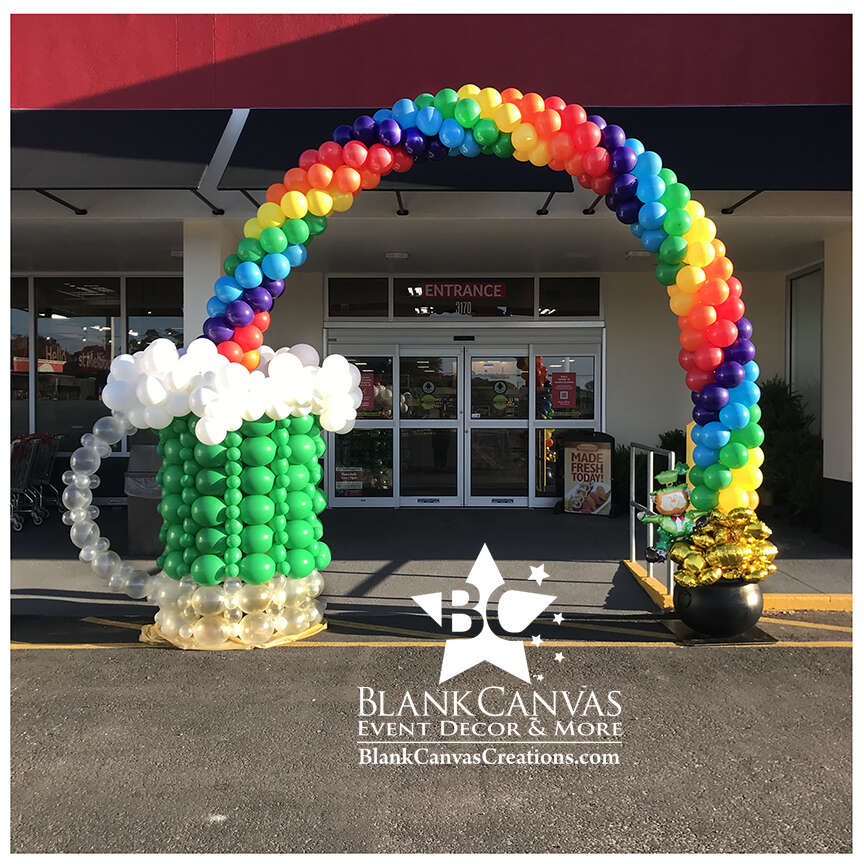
[588, 477]
[464, 290]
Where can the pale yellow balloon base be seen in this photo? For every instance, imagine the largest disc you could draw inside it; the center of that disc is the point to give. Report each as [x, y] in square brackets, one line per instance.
[151, 635]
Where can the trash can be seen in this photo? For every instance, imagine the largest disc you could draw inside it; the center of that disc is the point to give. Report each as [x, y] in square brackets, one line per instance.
[143, 495]
[587, 466]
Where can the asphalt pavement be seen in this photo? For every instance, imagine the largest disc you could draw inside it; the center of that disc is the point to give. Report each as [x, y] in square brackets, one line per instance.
[121, 748]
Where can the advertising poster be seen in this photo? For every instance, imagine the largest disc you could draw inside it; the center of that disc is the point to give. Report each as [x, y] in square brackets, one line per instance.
[588, 477]
[563, 389]
[367, 388]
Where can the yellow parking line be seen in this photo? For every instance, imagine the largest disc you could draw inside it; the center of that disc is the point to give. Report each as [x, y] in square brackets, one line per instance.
[608, 628]
[808, 624]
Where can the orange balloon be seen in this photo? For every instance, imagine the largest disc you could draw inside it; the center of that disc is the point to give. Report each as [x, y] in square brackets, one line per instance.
[574, 166]
[547, 123]
[369, 179]
[720, 267]
[531, 103]
[701, 316]
[346, 179]
[555, 103]
[713, 292]
[511, 94]
[251, 359]
[319, 176]
[556, 164]
[561, 147]
[275, 193]
[296, 179]
[719, 247]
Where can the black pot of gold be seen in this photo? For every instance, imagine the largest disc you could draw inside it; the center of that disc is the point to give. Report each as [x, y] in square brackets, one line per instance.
[726, 608]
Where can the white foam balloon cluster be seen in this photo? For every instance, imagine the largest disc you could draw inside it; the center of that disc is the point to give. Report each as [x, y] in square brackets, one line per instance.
[209, 616]
[154, 386]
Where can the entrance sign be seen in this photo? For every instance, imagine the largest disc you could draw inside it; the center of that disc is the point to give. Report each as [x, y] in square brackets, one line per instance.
[588, 477]
[464, 290]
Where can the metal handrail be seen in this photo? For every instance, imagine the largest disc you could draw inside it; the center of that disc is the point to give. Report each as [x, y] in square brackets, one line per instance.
[670, 457]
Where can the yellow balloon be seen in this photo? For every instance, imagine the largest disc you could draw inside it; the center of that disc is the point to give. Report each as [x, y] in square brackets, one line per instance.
[294, 204]
[754, 500]
[689, 279]
[489, 99]
[755, 457]
[732, 497]
[320, 202]
[521, 155]
[507, 117]
[681, 304]
[702, 230]
[342, 201]
[468, 91]
[695, 209]
[270, 215]
[699, 254]
[251, 228]
[524, 137]
[540, 154]
[673, 290]
[748, 477]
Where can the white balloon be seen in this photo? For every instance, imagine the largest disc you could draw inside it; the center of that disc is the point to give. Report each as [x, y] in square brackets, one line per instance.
[150, 391]
[346, 428]
[158, 417]
[202, 348]
[138, 417]
[160, 355]
[199, 398]
[118, 395]
[307, 354]
[210, 431]
[254, 406]
[182, 373]
[178, 403]
[124, 368]
[356, 377]
[356, 395]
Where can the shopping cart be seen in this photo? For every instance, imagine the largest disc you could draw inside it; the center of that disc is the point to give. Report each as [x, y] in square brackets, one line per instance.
[24, 497]
[43, 468]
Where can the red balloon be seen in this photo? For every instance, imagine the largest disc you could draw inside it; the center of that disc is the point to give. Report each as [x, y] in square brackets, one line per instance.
[354, 153]
[602, 184]
[574, 165]
[248, 338]
[696, 379]
[560, 147]
[732, 309]
[231, 350]
[261, 320]
[295, 178]
[555, 164]
[330, 153]
[701, 317]
[555, 103]
[686, 360]
[682, 322]
[721, 333]
[708, 357]
[402, 161]
[572, 116]
[596, 161]
[735, 287]
[276, 193]
[691, 339]
[369, 179]
[307, 159]
[380, 159]
[585, 180]
[586, 136]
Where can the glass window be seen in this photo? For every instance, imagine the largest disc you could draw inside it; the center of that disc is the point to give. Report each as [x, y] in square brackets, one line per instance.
[499, 462]
[499, 388]
[19, 320]
[429, 462]
[549, 452]
[805, 341]
[570, 296]
[463, 297]
[428, 388]
[77, 328]
[364, 464]
[376, 385]
[155, 309]
[357, 297]
[565, 387]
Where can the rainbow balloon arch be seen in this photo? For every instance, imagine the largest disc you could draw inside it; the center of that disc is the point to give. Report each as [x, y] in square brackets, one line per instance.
[241, 425]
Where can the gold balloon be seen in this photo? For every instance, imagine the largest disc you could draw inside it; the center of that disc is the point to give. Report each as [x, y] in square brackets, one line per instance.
[694, 562]
[679, 551]
[702, 540]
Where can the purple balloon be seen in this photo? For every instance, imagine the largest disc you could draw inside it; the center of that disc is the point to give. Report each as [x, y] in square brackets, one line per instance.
[436, 150]
[703, 416]
[260, 299]
[622, 160]
[238, 313]
[274, 286]
[741, 351]
[729, 374]
[366, 130]
[597, 120]
[694, 397]
[414, 142]
[218, 330]
[623, 188]
[745, 328]
[628, 211]
[713, 397]
[613, 137]
[343, 134]
[389, 132]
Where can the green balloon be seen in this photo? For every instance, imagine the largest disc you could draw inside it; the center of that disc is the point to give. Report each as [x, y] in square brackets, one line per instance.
[320, 447]
[323, 556]
[256, 538]
[231, 264]
[173, 533]
[677, 221]
[717, 477]
[467, 112]
[445, 101]
[676, 196]
[253, 428]
[209, 481]
[188, 495]
[208, 511]
[296, 231]
[257, 568]
[752, 435]
[278, 495]
[666, 273]
[233, 555]
[256, 510]
[257, 481]
[672, 250]
[172, 563]
[233, 526]
[317, 527]
[299, 533]
[189, 555]
[171, 478]
[316, 472]
[171, 451]
[668, 176]
[273, 240]
[755, 413]
[300, 562]
[424, 100]
[319, 502]
[302, 425]
[302, 449]
[733, 455]
[279, 553]
[703, 498]
[502, 148]
[486, 132]
[211, 540]
[208, 570]
[695, 475]
[168, 507]
[257, 451]
[249, 249]
[210, 455]
[316, 224]
[299, 505]
[298, 477]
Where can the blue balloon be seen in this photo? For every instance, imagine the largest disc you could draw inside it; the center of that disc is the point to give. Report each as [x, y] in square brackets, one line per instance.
[696, 434]
[215, 307]
[704, 457]
[405, 112]
[295, 254]
[636, 145]
[227, 288]
[652, 238]
[469, 147]
[636, 229]
[247, 275]
[650, 188]
[751, 370]
[382, 114]
[451, 133]
[735, 415]
[429, 120]
[715, 435]
[746, 393]
[275, 266]
[647, 163]
[652, 215]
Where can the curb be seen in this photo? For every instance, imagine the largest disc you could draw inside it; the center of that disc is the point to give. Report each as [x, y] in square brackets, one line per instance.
[772, 602]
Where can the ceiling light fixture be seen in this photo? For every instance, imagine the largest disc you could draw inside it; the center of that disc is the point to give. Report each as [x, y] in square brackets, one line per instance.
[396, 256]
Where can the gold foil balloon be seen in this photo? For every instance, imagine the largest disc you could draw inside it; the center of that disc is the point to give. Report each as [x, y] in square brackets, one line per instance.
[679, 551]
